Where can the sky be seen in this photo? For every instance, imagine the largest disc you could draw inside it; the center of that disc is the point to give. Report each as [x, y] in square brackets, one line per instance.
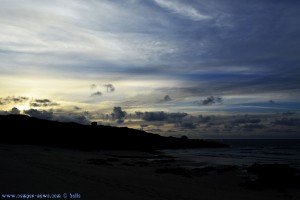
[198, 57]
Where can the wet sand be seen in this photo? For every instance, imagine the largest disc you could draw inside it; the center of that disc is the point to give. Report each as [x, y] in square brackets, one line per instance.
[110, 174]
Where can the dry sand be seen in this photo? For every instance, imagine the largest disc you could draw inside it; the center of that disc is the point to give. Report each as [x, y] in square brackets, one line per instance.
[115, 175]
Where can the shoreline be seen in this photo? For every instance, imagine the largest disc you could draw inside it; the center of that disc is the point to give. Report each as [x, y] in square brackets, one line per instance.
[116, 174]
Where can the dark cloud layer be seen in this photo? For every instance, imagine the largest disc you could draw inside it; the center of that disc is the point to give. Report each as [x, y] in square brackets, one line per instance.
[49, 115]
[77, 108]
[13, 99]
[109, 87]
[26, 100]
[42, 103]
[287, 121]
[248, 47]
[98, 93]
[209, 101]
[13, 111]
[161, 116]
[77, 118]
[118, 114]
[41, 114]
[166, 98]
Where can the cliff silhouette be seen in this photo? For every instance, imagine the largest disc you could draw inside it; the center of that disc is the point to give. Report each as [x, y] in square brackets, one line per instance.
[22, 129]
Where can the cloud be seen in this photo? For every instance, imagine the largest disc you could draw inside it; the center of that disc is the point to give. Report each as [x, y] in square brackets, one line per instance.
[154, 116]
[175, 117]
[93, 86]
[42, 103]
[77, 108]
[162, 116]
[49, 115]
[287, 121]
[253, 126]
[166, 98]
[74, 35]
[245, 120]
[212, 100]
[15, 111]
[209, 101]
[118, 114]
[109, 88]
[186, 125]
[41, 114]
[32, 103]
[204, 119]
[182, 9]
[77, 118]
[271, 101]
[3, 112]
[152, 42]
[13, 99]
[98, 93]
[42, 100]
[288, 113]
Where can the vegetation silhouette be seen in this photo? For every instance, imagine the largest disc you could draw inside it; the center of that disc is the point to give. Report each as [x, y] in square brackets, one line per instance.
[22, 129]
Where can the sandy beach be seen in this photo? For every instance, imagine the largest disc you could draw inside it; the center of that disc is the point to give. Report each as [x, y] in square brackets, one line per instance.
[110, 174]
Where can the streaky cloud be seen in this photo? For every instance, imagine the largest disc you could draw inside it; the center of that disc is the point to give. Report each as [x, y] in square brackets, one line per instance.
[42, 103]
[182, 9]
[209, 101]
[13, 99]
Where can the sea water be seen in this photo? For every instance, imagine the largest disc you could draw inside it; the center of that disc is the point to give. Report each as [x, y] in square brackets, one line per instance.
[242, 153]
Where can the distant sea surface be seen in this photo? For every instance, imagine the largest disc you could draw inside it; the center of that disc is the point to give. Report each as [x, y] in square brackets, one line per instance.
[242, 153]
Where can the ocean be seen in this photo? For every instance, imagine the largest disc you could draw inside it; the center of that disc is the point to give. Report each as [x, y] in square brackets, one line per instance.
[242, 153]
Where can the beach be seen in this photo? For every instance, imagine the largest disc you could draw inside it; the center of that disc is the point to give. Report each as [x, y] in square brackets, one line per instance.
[116, 174]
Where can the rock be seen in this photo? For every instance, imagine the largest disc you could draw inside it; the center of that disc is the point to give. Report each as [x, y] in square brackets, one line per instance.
[276, 176]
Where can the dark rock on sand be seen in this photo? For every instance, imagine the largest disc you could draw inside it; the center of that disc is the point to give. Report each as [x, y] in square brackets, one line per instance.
[274, 176]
